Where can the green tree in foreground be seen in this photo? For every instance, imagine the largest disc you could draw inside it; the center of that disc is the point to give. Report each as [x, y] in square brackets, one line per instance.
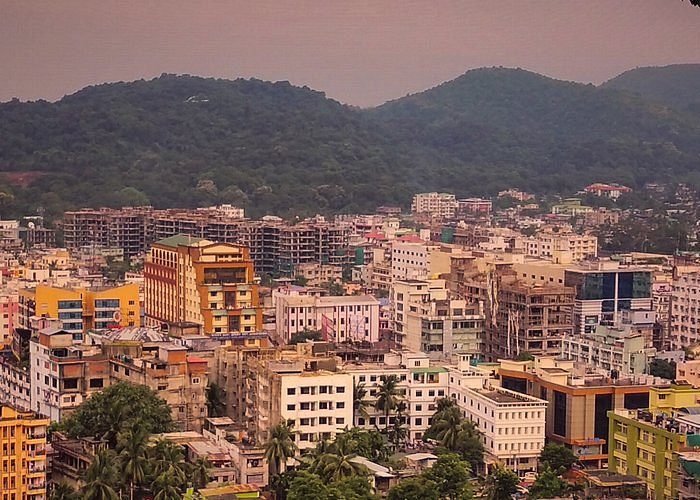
[387, 397]
[305, 486]
[63, 491]
[304, 335]
[548, 485]
[415, 488]
[501, 483]
[557, 457]
[117, 409]
[451, 476]
[131, 459]
[662, 368]
[338, 464]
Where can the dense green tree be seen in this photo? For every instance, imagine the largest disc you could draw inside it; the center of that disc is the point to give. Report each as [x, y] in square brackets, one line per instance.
[166, 486]
[305, 486]
[167, 461]
[354, 488]
[216, 400]
[305, 335]
[501, 483]
[557, 457]
[456, 434]
[547, 485]
[387, 397]
[279, 447]
[415, 488]
[451, 476]
[663, 368]
[117, 409]
[370, 444]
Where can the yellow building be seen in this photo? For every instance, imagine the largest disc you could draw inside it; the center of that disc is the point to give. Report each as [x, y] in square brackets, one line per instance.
[668, 399]
[199, 281]
[82, 309]
[23, 457]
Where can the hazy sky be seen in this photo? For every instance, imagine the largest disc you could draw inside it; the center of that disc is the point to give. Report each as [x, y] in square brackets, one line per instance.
[361, 52]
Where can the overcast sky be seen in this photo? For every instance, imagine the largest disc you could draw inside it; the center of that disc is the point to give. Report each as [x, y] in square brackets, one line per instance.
[361, 52]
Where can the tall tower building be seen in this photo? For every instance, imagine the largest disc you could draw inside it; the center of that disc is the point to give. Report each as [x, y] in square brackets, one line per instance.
[199, 281]
[23, 454]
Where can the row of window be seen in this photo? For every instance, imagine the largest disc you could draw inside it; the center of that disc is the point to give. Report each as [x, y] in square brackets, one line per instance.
[322, 389]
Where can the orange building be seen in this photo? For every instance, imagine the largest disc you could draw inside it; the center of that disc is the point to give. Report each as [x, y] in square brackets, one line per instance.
[194, 280]
[23, 455]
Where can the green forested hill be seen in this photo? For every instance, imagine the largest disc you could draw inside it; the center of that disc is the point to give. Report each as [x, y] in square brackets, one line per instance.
[276, 148]
[677, 85]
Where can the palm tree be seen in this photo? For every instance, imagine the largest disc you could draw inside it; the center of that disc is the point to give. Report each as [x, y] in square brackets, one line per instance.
[398, 432]
[100, 478]
[132, 459]
[359, 404]
[200, 473]
[448, 427]
[387, 397]
[338, 464]
[216, 401]
[166, 487]
[167, 457]
[63, 491]
[279, 447]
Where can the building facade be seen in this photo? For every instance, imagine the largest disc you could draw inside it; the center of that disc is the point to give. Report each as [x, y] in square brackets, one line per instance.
[23, 457]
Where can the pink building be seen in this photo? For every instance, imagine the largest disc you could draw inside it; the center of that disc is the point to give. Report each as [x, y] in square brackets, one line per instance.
[9, 309]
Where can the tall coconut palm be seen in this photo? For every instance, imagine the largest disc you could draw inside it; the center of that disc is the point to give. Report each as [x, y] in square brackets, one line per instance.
[166, 487]
[447, 428]
[387, 397]
[200, 473]
[359, 403]
[398, 432]
[216, 401]
[132, 460]
[279, 447]
[100, 478]
[167, 457]
[338, 464]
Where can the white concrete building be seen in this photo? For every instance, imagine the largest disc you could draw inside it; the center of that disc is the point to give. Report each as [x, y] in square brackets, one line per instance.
[620, 351]
[434, 204]
[342, 318]
[685, 307]
[549, 243]
[512, 425]
[418, 260]
[420, 383]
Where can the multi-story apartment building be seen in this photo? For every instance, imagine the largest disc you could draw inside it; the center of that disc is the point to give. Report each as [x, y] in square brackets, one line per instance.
[143, 357]
[474, 206]
[64, 372]
[319, 274]
[661, 292]
[549, 243]
[275, 246]
[417, 260]
[194, 280]
[685, 307]
[350, 318]
[512, 425]
[646, 445]
[15, 384]
[442, 205]
[612, 350]
[520, 317]
[23, 455]
[429, 321]
[82, 309]
[612, 191]
[419, 383]
[9, 312]
[578, 401]
[310, 392]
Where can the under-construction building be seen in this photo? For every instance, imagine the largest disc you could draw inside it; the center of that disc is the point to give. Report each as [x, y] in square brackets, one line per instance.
[520, 317]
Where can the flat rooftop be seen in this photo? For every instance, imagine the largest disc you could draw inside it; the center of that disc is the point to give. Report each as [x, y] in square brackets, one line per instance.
[500, 397]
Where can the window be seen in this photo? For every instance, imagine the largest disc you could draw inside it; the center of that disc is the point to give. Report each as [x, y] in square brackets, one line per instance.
[291, 391]
[419, 421]
[340, 405]
[195, 380]
[340, 420]
[291, 407]
[419, 394]
[340, 389]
